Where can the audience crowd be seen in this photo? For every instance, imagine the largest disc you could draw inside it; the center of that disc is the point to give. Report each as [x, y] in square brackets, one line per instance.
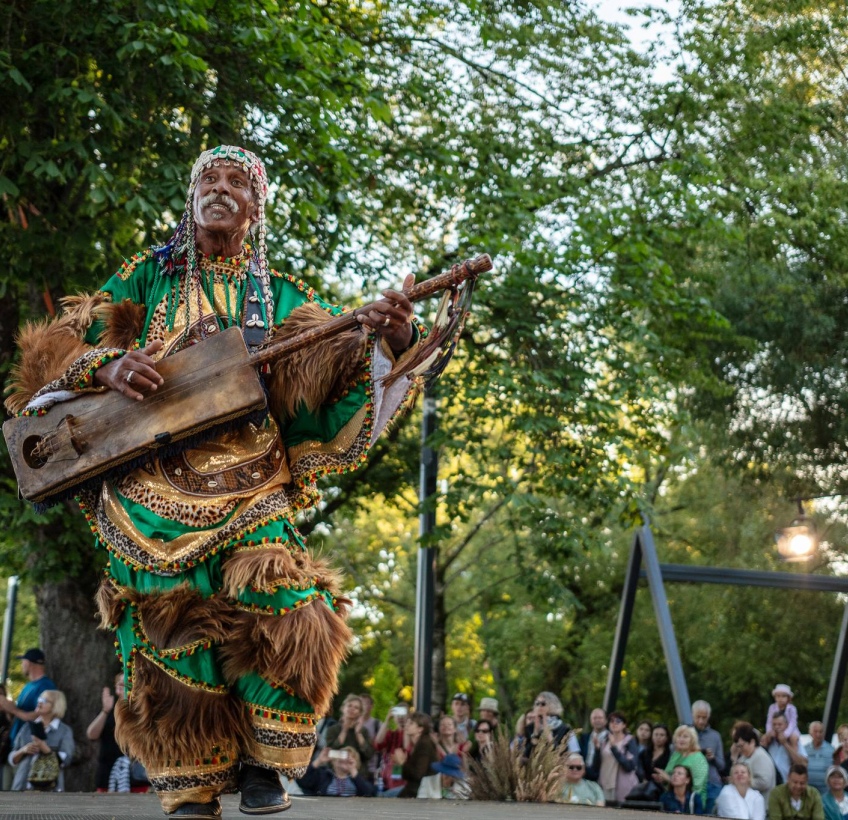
[407, 754]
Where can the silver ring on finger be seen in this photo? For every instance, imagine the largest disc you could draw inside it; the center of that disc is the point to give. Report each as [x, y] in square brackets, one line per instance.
[129, 376]
[386, 323]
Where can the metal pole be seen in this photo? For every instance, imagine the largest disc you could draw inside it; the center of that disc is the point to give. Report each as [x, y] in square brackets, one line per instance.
[837, 679]
[679, 690]
[426, 580]
[8, 628]
[622, 629]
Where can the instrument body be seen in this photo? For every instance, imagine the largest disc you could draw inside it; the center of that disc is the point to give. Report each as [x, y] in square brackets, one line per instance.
[207, 386]
[97, 432]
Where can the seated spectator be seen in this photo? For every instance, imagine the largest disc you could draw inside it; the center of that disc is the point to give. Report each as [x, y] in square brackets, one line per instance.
[794, 799]
[835, 801]
[619, 760]
[102, 728]
[710, 742]
[461, 710]
[44, 739]
[687, 752]
[449, 784]
[349, 732]
[388, 741]
[819, 757]
[681, 797]
[519, 738]
[785, 750]
[840, 754]
[576, 788]
[739, 800]
[489, 710]
[746, 749]
[415, 764]
[128, 776]
[446, 740]
[335, 773]
[657, 753]
[643, 735]
[484, 739]
[547, 720]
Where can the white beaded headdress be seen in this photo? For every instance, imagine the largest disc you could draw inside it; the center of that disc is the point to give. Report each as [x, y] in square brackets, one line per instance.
[183, 244]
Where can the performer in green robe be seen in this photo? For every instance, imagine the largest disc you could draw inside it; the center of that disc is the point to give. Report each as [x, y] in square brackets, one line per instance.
[230, 632]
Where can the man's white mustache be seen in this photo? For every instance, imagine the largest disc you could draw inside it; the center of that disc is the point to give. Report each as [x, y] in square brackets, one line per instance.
[219, 199]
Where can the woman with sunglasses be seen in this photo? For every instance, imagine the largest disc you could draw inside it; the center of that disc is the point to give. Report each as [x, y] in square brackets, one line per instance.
[43, 736]
[576, 788]
[484, 738]
[547, 722]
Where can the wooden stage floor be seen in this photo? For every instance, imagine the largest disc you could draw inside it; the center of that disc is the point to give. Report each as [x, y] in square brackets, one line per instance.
[79, 806]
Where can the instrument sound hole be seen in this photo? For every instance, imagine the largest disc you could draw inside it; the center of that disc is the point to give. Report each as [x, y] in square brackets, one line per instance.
[32, 454]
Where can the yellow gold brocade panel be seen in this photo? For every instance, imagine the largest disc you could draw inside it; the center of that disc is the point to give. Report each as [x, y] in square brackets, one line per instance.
[340, 444]
[296, 758]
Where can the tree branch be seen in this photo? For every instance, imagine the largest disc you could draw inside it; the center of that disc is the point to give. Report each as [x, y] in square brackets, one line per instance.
[453, 554]
[482, 591]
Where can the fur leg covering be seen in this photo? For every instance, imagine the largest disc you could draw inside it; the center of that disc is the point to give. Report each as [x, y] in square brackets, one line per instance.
[317, 373]
[166, 719]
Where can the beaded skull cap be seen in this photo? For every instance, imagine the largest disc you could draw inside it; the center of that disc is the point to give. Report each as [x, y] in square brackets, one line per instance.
[233, 155]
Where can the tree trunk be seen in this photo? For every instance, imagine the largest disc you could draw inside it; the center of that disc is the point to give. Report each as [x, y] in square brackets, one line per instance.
[438, 697]
[81, 660]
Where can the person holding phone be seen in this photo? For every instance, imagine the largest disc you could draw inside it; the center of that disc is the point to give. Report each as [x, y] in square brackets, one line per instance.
[335, 773]
[390, 738]
[43, 736]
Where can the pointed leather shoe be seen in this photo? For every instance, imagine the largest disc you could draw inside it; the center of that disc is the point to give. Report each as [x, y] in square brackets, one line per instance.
[261, 791]
[197, 811]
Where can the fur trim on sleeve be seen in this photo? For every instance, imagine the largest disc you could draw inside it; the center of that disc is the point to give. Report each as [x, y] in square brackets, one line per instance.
[316, 373]
[123, 323]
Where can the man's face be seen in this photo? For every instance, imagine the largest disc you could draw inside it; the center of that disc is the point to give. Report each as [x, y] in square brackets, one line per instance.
[598, 719]
[223, 201]
[797, 784]
[460, 709]
[817, 733]
[488, 714]
[25, 667]
[700, 718]
[779, 725]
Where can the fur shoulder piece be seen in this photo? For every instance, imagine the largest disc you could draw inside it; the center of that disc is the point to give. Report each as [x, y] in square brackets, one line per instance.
[123, 323]
[49, 347]
[318, 373]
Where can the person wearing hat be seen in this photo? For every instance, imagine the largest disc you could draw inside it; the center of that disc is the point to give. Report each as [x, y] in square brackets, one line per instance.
[452, 779]
[782, 695]
[835, 801]
[461, 710]
[26, 706]
[488, 710]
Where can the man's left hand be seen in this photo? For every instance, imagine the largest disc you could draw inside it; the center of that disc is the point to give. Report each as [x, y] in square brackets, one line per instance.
[391, 317]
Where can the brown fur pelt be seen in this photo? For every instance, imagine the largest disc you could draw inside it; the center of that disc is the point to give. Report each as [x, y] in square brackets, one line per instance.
[165, 720]
[264, 569]
[303, 649]
[180, 616]
[110, 604]
[319, 372]
[124, 323]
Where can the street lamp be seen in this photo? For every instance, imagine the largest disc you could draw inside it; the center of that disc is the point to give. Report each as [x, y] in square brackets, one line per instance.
[799, 541]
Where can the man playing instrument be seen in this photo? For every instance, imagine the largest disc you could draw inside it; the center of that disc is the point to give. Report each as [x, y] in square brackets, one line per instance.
[230, 632]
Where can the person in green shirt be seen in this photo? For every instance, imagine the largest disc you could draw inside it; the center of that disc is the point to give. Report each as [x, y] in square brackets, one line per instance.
[687, 752]
[794, 799]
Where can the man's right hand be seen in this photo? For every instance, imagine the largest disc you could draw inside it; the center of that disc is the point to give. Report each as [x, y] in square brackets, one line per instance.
[135, 366]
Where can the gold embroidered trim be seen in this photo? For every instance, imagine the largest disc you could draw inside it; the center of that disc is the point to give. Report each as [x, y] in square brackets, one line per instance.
[340, 444]
[282, 758]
